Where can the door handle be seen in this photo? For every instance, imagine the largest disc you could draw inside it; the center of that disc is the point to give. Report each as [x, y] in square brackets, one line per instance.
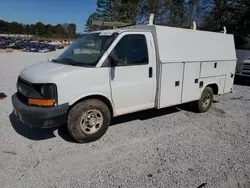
[150, 72]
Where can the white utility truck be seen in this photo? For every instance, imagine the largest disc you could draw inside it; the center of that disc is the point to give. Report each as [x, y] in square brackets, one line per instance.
[109, 73]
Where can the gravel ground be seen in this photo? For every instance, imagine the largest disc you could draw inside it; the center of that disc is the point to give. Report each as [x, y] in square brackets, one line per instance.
[173, 147]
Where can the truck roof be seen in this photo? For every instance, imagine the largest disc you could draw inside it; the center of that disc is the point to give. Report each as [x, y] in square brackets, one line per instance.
[143, 28]
[186, 45]
[120, 30]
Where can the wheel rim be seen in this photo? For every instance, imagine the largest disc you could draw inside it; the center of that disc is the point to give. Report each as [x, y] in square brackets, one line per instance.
[206, 100]
[91, 121]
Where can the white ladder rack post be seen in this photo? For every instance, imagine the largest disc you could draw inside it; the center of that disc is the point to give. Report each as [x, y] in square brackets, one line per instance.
[194, 25]
[225, 30]
[151, 19]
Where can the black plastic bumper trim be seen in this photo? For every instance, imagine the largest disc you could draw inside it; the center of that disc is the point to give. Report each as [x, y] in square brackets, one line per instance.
[43, 117]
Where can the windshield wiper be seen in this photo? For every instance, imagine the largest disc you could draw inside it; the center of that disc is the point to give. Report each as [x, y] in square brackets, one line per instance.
[64, 60]
[54, 60]
[70, 61]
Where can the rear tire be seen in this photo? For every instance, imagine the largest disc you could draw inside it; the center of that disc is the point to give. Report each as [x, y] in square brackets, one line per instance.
[206, 100]
[88, 120]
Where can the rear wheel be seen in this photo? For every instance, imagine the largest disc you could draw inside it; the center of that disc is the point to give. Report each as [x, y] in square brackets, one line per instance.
[206, 100]
[88, 120]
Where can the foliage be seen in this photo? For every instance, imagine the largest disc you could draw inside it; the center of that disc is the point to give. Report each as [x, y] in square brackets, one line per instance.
[89, 26]
[114, 10]
[210, 15]
[167, 12]
[40, 29]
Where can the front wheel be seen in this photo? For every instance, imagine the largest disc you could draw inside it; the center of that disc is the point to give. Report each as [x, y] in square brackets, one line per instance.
[206, 100]
[88, 120]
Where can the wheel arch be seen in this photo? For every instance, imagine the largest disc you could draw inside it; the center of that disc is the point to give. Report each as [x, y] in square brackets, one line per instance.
[100, 97]
[214, 87]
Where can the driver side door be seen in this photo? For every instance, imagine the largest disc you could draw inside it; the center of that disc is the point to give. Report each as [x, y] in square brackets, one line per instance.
[131, 77]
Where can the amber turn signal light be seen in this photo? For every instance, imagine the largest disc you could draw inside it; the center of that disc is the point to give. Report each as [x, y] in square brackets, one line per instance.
[41, 102]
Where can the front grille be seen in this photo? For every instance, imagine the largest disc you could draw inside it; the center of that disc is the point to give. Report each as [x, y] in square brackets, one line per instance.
[246, 68]
[246, 73]
[23, 89]
[23, 82]
[22, 98]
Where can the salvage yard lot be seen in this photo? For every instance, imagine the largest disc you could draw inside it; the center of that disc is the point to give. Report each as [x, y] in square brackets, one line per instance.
[173, 147]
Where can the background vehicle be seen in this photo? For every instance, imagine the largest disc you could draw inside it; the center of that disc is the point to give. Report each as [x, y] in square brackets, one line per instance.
[27, 45]
[243, 63]
[110, 73]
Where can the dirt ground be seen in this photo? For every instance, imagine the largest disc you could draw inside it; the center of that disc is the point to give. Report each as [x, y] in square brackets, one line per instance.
[172, 147]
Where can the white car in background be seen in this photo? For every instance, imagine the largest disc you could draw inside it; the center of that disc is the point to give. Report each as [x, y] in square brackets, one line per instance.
[243, 68]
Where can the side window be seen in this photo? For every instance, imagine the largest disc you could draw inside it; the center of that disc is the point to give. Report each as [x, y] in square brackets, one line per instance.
[131, 50]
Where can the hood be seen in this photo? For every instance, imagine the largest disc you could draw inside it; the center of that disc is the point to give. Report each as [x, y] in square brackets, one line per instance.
[46, 72]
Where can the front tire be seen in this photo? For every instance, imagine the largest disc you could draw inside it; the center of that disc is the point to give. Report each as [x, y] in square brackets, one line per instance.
[206, 100]
[88, 120]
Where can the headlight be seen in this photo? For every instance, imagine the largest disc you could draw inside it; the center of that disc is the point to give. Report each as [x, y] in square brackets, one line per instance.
[45, 96]
[48, 91]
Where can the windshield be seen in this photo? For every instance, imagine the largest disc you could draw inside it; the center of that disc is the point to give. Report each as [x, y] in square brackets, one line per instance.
[87, 49]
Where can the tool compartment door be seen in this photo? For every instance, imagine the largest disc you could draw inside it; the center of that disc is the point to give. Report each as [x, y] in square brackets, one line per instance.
[231, 65]
[191, 90]
[213, 68]
[171, 84]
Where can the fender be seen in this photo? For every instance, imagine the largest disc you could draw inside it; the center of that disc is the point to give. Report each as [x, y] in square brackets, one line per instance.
[214, 87]
[87, 95]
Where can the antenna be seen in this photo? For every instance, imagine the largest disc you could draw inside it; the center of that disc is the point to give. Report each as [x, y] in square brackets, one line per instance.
[194, 25]
[151, 19]
[225, 30]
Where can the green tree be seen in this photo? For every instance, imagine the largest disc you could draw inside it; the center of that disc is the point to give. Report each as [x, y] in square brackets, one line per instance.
[105, 8]
[118, 10]
[48, 30]
[240, 11]
[72, 29]
[126, 11]
[13, 28]
[40, 28]
[192, 7]
[20, 28]
[59, 30]
[32, 29]
[157, 7]
[3, 26]
[167, 12]
[176, 16]
[27, 29]
[89, 26]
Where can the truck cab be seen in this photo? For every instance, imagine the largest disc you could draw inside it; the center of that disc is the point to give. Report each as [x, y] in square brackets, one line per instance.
[109, 73]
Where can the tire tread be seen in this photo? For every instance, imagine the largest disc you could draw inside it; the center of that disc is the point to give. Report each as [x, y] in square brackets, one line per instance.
[75, 113]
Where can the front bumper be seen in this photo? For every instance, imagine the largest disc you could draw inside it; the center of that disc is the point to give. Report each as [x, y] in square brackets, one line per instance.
[43, 117]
